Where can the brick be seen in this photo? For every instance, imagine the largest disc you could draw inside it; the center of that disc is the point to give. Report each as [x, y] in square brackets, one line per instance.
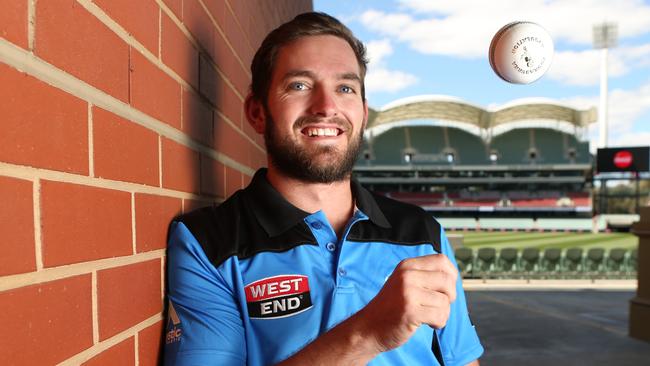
[208, 80]
[229, 141]
[230, 65]
[246, 179]
[229, 104]
[81, 223]
[236, 37]
[250, 132]
[242, 15]
[123, 302]
[152, 217]
[150, 345]
[17, 226]
[176, 6]
[217, 8]
[197, 118]
[47, 323]
[124, 150]
[199, 24]
[233, 181]
[122, 353]
[41, 126]
[179, 53]
[139, 18]
[72, 39]
[13, 22]
[180, 167]
[154, 92]
[212, 177]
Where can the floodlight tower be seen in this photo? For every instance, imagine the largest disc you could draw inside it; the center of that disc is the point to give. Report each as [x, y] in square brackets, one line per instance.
[605, 37]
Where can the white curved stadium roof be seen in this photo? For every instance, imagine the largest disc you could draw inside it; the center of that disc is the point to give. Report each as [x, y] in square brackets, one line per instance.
[456, 110]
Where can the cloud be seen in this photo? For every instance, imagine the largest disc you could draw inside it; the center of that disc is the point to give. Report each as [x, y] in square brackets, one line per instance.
[381, 79]
[465, 28]
[583, 67]
[625, 108]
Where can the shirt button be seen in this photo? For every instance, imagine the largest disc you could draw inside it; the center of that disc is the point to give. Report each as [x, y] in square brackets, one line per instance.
[342, 271]
[331, 247]
[316, 225]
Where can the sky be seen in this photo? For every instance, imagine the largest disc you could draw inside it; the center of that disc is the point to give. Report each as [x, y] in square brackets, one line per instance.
[440, 47]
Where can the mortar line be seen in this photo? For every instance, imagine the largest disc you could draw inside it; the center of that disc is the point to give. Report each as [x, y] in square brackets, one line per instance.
[56, 273]
[38, 239]
[94, 308]
[31, 25]
[91, 142]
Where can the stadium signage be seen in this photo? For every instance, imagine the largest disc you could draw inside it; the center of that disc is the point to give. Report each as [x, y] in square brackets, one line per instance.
[623, 159]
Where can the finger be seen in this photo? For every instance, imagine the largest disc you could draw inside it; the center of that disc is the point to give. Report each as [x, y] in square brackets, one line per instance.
[431, 281]
[431, 262]
[434, 309]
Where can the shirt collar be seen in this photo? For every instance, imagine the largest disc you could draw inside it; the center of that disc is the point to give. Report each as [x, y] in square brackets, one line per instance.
[277, 215]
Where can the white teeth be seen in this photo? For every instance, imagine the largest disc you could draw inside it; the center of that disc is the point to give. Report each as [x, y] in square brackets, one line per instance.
[322, 132]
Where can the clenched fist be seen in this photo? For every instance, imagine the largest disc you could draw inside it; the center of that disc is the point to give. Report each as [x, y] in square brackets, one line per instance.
[420, 291]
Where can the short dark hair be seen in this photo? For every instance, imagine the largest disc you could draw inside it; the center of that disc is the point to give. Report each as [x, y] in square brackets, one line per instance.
[303, 25]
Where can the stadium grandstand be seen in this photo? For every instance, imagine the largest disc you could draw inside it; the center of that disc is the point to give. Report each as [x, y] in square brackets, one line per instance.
[522, 166]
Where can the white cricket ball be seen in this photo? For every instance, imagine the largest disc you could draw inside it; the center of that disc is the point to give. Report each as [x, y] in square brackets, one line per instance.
[521, 52]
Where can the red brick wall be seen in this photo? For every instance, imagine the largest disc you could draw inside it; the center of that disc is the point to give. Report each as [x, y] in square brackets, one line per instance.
[115, 115]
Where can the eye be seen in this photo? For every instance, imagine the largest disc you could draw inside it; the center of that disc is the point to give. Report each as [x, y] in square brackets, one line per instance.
[298, 85]
[346, 89]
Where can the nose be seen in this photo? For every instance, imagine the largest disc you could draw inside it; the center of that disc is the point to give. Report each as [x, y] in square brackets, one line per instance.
[323, 103]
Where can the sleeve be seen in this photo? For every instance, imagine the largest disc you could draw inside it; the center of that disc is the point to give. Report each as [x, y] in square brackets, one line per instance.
[204, 325]
[458, 340]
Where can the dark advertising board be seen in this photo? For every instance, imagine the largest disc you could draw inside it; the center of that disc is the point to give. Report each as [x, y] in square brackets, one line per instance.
[623, 159]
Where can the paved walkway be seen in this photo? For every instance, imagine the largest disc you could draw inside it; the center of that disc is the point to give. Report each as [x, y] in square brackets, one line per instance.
[565, 324]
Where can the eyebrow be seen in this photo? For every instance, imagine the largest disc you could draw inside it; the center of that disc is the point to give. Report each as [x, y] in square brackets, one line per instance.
[306, 73]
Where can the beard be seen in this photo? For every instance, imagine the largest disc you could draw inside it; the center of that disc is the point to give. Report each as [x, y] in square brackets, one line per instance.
[320, 164]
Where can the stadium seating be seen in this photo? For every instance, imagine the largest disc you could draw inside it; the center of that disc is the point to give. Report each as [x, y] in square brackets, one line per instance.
[465, 260]
[616, 262]
[546, 143]
[508, 261]
[389, 146]
[530, 260]
[427, 139]
[594, 261]
[632, 262]
[565, 224]
[512, 147]
[460, 141]
[487, 262]
[550, 263]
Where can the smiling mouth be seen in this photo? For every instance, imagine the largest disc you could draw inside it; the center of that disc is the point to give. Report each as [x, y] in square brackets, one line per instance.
[321, 132]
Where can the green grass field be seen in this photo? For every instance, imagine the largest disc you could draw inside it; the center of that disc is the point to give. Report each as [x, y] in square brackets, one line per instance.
[545, 240]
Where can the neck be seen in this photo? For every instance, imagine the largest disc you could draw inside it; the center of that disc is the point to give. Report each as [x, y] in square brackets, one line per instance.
[334, 199]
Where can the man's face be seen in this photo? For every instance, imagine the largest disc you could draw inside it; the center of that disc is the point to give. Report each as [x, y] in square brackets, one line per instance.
[315, 115]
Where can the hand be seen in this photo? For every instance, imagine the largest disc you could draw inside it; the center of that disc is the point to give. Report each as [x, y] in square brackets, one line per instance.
[420, 291]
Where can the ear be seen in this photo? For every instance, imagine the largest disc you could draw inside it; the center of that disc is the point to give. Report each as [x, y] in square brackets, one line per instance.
[365, 114]
[255, 113]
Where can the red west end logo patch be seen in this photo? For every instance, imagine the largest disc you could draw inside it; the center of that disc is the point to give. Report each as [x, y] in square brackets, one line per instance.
[278, 296]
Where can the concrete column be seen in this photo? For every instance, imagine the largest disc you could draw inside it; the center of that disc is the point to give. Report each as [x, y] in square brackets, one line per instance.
[640, 305]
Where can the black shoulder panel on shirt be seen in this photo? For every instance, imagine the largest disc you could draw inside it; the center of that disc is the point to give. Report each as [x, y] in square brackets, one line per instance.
[231, 229]
[410, 225]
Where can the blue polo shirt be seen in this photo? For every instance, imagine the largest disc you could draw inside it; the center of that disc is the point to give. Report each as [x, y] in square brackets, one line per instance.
[256, 279]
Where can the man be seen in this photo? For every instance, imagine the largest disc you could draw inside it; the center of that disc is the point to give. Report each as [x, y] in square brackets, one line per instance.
[305, 266]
